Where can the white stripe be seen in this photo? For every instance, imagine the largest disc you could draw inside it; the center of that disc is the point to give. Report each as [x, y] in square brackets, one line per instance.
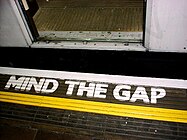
[118, 79]
[25, 5]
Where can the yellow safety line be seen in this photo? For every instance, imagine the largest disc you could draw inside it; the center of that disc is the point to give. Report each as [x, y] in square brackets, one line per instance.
[160, 114]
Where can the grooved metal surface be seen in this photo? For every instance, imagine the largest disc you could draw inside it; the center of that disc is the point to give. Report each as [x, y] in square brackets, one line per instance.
[91, 124]
[86, 15]
[90, 3]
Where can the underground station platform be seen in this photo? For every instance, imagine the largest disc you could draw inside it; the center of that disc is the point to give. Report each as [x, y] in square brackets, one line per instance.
[93, 70]
[46, 104]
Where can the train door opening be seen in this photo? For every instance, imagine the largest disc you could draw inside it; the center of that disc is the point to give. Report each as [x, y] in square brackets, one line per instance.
[118, 22]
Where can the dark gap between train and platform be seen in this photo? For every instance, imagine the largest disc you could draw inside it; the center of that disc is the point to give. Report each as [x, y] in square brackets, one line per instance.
[142, 64]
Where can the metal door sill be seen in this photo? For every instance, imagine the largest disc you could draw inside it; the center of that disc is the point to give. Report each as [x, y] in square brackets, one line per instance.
[89, 45]
[93, 40]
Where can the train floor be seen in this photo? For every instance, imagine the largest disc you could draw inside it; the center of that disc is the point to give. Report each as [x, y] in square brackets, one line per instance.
[87, 15]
